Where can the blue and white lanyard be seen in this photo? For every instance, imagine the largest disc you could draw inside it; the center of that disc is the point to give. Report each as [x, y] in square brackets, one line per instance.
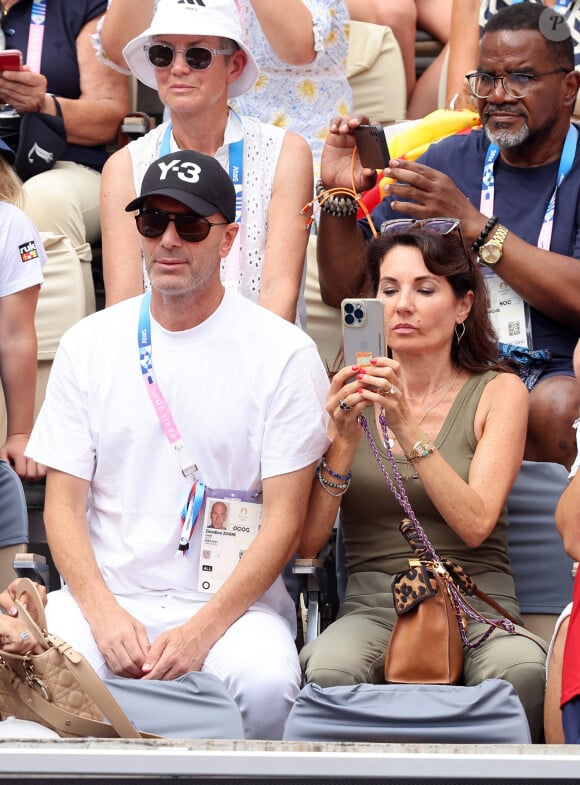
[566, 163]
[235, 170]
[192, 506]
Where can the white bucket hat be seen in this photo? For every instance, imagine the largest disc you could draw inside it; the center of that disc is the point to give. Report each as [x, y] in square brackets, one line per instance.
[191, 17]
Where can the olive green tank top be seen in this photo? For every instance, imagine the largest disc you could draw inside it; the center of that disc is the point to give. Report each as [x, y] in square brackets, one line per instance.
[370, 515]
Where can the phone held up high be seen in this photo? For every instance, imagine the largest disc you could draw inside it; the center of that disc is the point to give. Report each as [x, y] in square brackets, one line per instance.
[372, 146]
[363, 330]
[11, 60]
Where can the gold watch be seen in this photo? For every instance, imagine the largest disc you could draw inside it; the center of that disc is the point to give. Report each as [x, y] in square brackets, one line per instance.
[490, 253]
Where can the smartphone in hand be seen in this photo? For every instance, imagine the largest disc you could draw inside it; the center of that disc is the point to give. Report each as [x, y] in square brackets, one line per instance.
[363, 330]
[372, 146]
[11, 60]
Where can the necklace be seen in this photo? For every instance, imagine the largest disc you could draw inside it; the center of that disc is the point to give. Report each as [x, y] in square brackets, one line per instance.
[440, 401]
[391, 441]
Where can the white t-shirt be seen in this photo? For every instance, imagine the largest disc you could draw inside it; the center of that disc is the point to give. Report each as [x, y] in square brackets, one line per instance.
[246, 390]
[22, 255]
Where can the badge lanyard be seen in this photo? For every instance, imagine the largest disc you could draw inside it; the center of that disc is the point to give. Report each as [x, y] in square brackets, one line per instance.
[545, 236]
[192, 507]
[36, 35]
[231, 273]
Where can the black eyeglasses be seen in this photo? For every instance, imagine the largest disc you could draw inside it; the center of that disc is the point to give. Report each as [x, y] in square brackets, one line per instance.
[439, 225]
[197, 57]
[517, 85]
[190, 227]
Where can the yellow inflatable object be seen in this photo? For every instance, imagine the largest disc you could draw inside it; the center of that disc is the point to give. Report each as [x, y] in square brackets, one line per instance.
[412, 141]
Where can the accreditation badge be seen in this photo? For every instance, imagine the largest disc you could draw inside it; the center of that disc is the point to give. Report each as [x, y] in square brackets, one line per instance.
[231, 521]
[509, 313]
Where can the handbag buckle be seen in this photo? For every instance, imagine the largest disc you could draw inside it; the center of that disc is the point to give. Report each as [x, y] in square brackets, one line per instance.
[33, 681]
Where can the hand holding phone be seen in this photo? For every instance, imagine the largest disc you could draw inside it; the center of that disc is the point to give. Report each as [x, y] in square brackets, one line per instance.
[372, 146]
[11, 60]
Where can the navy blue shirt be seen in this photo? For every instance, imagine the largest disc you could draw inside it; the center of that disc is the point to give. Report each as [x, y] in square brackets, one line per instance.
[521, 198]
[64, 21]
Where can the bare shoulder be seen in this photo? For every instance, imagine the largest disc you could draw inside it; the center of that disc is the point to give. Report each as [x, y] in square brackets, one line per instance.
[505, 399]
[296, 145]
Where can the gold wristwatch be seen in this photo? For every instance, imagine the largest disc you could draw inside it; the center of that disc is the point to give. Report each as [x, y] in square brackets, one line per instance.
[490, 253]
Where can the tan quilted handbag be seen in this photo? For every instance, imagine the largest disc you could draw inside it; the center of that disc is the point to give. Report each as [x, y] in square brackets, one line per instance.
[58, 688]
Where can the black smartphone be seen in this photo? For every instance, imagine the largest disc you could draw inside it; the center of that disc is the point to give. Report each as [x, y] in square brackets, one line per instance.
[363, 330]
[372, 147]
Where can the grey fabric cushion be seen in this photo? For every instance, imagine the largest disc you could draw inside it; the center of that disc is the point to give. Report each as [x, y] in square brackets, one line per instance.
[540, 565]
[489, 713]
[13, 513]
[195, 706]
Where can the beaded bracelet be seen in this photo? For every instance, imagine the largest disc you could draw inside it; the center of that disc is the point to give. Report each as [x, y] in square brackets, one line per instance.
[338, 206]
[336, 475]
[341, 488]
[476, 244]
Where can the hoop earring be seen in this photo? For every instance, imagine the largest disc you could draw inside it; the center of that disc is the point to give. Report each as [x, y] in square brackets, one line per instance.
[459, 335]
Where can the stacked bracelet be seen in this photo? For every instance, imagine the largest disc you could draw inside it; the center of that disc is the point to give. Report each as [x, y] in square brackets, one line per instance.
[476, 244]
[336, 475]
[332, 488]
[420, 449]
[337, 205]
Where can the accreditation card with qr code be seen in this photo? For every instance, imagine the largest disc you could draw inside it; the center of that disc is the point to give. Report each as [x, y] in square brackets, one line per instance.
[509, 313]
[231, 520]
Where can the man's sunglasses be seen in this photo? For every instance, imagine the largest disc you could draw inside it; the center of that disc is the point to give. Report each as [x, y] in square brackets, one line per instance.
[197, 57]
[190, 227]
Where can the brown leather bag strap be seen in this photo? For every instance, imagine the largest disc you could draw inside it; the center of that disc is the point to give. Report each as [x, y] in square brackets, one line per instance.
[496, 606]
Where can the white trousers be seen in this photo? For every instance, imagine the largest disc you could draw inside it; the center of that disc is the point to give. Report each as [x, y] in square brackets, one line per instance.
[256, 658]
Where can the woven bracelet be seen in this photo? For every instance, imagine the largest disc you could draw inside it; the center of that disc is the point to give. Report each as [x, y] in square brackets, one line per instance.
[339, 206]
[476, 244]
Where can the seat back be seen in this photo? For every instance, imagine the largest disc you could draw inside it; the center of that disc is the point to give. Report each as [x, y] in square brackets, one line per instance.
[13, 521]
[488, 713]
[376, 73]
[541, 567]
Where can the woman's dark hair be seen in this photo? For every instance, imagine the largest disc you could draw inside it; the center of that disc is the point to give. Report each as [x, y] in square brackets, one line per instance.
[447, 256]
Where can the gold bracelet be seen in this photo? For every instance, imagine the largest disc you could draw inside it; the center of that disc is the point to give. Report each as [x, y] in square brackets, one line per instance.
[420, 449]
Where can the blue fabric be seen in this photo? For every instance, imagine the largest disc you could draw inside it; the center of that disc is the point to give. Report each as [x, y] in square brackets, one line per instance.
[571, 720]
[13, 513]
[521, 197]
[488, 713]
[64, 21]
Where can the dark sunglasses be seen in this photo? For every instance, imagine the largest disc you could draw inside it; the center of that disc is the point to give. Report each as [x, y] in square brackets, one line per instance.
[197, 57]
[190, 227]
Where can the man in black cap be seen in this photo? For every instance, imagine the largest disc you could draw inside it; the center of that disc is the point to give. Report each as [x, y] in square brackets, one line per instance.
[156, 408]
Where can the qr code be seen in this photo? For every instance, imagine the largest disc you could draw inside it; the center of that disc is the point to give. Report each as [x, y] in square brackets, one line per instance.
[513, 329]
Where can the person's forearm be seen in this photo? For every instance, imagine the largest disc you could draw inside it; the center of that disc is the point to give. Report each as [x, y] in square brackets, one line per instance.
[91, 122]
[463, 47]
[340, 252]
[124, 20]
[568, 517]
[18, 374]
[67, 533]
[323, 507]
[281, 297]
[289, 31]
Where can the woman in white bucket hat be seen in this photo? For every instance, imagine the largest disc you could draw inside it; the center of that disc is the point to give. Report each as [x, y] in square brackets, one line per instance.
[193, 53]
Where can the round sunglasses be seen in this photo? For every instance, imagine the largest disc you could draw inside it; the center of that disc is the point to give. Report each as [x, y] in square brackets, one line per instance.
[190, 227]
[197, 57]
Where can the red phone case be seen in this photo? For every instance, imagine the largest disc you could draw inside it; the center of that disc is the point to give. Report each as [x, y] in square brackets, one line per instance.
[11, 60]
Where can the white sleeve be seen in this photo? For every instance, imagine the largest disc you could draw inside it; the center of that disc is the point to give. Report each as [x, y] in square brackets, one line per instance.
[22, 254]
[576, 463]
